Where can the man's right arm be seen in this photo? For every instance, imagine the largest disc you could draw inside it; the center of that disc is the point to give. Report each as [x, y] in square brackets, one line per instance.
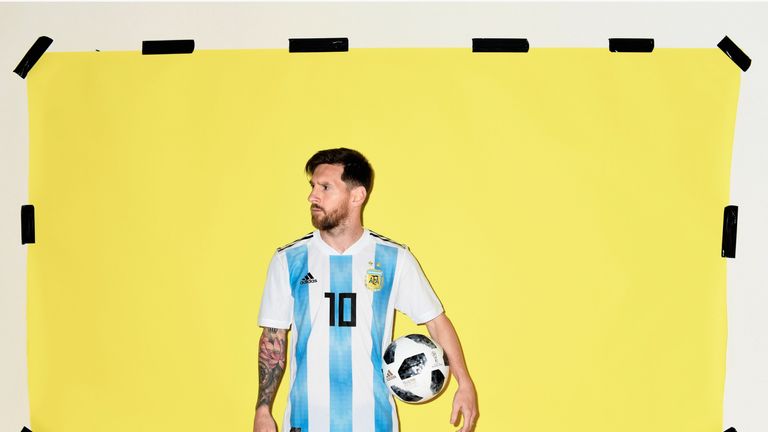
[272, 353]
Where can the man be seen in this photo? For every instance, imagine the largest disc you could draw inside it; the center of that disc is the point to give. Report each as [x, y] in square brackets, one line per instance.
[338, 287]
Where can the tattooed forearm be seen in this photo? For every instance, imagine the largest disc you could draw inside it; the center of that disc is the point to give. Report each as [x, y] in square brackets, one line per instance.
[271, 364]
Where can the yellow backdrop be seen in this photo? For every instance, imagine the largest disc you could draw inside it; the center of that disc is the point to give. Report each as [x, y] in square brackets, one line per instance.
[566, 205]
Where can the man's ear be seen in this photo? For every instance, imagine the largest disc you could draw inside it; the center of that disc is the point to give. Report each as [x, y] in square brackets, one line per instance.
[358, 196]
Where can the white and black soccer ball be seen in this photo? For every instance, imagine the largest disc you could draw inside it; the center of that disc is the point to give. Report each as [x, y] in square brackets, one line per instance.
[415, 368]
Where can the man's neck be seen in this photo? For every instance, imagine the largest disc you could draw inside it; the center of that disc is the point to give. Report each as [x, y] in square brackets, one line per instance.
[342, 237]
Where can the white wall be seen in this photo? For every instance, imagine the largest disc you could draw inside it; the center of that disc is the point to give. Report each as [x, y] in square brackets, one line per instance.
[119, 26]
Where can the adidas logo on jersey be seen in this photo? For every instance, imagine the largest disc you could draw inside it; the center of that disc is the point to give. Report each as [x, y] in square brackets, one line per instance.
[308, 279]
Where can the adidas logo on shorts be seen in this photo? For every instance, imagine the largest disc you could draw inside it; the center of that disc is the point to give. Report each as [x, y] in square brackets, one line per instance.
[308, 279]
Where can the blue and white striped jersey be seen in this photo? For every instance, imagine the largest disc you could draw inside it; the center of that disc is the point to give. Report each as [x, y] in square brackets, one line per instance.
[340, 308]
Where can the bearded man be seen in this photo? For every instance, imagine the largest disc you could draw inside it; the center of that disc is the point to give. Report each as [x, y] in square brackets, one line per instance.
[337, 288]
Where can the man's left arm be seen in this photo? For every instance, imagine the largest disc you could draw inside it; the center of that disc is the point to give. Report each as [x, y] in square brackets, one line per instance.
[465, 399]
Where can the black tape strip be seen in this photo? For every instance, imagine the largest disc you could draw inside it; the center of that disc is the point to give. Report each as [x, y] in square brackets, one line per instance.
[735, 53]
[33, 55]
[499, 45]
[181, 46]
[730, 219]
[318, 45]
[630, 45]
[27, 224]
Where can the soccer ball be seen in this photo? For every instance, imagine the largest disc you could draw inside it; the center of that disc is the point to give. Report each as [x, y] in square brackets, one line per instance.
[415, 368]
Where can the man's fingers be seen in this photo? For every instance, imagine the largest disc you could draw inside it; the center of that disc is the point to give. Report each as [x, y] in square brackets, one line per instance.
[454, 413]
[469, 420]
[466, 427]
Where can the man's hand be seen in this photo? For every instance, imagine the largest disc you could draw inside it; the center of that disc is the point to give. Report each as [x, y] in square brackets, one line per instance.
[271, 367]
[263, 421]
[465, 402]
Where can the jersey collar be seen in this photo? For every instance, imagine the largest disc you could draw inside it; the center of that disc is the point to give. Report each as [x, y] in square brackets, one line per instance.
[359, 244]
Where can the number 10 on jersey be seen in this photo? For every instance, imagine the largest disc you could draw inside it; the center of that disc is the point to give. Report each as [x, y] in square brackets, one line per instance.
[346, 302]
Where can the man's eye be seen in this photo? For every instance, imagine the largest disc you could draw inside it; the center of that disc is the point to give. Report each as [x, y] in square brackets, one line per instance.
[325, 187]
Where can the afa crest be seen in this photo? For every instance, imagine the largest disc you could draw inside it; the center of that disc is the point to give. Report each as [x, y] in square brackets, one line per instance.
[374, 279]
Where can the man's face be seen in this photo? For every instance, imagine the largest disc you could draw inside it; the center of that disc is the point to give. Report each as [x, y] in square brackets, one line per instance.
[330, 197]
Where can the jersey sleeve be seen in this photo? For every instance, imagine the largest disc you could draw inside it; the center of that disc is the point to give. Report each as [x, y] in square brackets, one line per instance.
[276, 301]
[415, 296]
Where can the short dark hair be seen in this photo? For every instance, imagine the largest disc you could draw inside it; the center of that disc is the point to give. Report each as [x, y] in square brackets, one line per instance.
[357, 170]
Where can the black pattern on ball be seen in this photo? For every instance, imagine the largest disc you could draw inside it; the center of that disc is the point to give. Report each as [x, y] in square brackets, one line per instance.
[389, 354]
[405, 394]
[437, 381]
[422, 340]
[411, 366]
[445, 359]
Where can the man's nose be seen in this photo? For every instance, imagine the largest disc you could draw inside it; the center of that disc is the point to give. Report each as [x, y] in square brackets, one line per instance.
[313, 197]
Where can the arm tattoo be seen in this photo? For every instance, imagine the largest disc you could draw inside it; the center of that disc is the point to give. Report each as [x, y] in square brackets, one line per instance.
[271, 364]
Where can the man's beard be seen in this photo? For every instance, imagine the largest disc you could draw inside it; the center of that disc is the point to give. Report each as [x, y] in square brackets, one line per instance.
[327, 221]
